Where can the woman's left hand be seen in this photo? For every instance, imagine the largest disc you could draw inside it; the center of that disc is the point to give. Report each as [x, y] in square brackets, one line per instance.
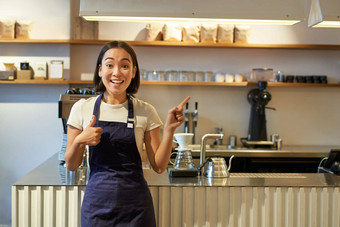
[175, 116]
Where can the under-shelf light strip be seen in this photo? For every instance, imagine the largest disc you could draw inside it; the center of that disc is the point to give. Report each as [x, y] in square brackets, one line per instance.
[194, 20]
[328, 24]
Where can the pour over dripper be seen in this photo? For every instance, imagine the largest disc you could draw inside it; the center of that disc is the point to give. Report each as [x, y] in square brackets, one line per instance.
[183, 139]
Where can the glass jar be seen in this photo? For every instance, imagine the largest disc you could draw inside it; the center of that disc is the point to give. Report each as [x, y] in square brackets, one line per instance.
[209, 76]
[153, 75]
[162, 76]
[200, 76]
[143, 74]
[184, 76]
[172, 75]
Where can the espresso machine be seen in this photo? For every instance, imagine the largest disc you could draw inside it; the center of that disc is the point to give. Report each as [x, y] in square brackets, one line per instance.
[66, 101]
[257, 131]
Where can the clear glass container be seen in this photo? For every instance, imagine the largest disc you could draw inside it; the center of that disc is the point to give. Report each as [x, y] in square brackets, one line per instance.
[209, 76]
[143, 74]
[262, 74]
[162, 76]
[200, 76]
[184, 76]
[172, 75]
[153, 75]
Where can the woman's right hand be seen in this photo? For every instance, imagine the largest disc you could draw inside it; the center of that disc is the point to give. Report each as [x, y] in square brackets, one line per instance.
[90, 135]
[76, 141]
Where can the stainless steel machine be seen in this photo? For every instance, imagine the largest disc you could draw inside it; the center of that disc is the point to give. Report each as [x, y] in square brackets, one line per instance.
[65, 104]
[67, 100]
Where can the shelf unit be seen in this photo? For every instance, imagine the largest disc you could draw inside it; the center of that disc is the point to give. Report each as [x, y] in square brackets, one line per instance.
[173, 83]
[175, 44]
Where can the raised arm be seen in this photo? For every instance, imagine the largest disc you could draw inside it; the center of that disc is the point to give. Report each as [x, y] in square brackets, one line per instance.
[159, 150]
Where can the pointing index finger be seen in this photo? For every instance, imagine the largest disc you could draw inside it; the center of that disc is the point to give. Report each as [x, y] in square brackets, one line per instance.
[184, 102]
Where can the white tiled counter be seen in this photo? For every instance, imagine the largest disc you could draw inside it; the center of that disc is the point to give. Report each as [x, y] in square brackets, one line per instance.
[43, 198]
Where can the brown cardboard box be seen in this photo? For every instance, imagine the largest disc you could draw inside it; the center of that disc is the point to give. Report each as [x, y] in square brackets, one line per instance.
[7, 75]
[24, 74]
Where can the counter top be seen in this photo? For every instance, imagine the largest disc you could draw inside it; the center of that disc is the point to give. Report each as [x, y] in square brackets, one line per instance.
[51, 173]
[285, 152]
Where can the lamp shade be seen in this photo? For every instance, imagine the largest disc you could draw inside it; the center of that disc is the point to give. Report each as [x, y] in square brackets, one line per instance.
[221, 11]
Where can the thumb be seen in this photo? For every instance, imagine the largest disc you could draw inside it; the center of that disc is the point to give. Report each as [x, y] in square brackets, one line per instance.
[93, 121]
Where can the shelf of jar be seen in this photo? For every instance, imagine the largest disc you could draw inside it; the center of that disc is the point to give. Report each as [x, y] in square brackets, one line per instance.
[278, 84]
[187, 83]
[175, 43]
[174, 83]
[234, 84]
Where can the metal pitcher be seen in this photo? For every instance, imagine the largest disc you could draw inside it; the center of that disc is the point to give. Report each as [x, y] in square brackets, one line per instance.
[217, 167]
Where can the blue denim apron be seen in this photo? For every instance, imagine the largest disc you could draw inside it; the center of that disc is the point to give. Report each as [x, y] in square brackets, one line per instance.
[117, 193]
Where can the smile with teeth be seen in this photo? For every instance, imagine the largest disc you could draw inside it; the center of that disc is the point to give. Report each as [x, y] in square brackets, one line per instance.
[117, 81]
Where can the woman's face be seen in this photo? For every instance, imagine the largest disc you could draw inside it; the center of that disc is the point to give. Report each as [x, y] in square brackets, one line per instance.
[116, 71]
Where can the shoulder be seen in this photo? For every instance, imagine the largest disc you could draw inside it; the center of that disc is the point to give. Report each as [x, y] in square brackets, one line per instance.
[85, 103]
[141, 105]
[146, 115]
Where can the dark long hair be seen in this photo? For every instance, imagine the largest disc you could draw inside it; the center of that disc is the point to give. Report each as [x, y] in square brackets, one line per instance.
[135, 82]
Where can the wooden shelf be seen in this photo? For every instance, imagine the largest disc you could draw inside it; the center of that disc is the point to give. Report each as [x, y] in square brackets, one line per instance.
[46, 82]
[173, 44]
[178, 83]
[301, 85]
[176, 44]
[34, 82]
[40, 41]
[173, 83]
[241, 84]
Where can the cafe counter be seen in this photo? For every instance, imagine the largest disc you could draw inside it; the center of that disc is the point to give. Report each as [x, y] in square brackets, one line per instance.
[50, 196]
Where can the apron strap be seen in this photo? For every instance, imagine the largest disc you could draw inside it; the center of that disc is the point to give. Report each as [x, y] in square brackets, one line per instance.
[97, 106]
[130, 118]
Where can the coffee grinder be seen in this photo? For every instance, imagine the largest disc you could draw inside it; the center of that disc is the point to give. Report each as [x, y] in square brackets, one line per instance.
[257, 131]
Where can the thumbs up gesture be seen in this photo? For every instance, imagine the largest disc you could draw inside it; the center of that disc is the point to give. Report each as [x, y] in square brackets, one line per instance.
[91, 135]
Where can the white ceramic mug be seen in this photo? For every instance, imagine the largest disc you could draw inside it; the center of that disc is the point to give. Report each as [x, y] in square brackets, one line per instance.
[220, 77]
[238, 78]
[183, 139]
[229, 78]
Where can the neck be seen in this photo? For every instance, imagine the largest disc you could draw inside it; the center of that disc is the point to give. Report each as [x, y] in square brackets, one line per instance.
[114, 99]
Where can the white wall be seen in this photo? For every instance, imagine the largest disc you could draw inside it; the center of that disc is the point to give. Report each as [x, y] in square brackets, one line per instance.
[31, 132]
[50, 19]
[301, 109]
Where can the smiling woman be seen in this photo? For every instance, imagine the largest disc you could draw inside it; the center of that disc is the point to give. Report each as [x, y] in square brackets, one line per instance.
[121, 57]
[116, 73]
[115, 125]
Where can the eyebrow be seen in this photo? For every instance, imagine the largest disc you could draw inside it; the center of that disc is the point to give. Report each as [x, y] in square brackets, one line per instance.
[110, 58]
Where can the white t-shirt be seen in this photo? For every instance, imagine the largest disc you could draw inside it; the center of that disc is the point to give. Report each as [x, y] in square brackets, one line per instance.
[146, 117]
